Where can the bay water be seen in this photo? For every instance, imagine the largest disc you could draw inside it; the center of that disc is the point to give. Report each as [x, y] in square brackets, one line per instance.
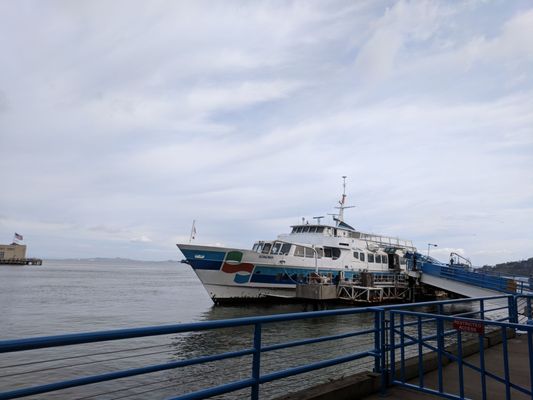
[70, 296]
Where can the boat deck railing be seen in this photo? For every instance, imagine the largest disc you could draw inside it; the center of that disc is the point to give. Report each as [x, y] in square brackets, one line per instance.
[255, 357]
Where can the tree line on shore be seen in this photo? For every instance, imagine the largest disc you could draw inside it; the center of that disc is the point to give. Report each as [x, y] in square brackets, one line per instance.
[523, 267]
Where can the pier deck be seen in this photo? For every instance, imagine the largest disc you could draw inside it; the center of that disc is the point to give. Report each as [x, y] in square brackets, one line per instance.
[518, 366]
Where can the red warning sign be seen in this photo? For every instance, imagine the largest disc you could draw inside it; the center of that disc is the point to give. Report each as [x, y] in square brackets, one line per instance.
[469, 326]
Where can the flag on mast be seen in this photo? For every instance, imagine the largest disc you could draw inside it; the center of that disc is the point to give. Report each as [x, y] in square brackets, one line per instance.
[18, 237]
[193, 231]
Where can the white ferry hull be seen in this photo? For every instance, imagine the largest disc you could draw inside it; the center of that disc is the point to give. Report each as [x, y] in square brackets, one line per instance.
[232, 275]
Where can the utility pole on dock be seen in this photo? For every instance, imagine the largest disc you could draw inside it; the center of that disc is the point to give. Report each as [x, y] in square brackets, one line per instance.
[429, 245]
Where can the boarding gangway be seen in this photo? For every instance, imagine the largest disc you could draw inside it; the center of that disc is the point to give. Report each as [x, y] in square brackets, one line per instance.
[462, 279]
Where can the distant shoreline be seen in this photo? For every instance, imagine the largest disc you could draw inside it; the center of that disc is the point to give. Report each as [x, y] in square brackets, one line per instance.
[108, 259]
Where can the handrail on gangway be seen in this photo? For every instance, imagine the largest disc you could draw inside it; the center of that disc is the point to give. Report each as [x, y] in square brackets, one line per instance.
[458, 259]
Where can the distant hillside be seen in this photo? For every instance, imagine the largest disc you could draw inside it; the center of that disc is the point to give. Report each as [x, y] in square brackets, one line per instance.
[524, 267]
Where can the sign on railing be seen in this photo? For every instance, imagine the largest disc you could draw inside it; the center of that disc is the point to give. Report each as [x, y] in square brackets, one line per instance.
[469, 326]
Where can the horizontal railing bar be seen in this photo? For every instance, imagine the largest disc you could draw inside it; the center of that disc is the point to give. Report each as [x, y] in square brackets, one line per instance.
[482, 321]
[217, 390]
[415, 341]
[443, 302]
[91, 337]
[496, 309]
[427, 390]
[83, 355]
[321, 364]
[315, 340]
[106, 360]
[415, 322]
[464, 314]
[50, 387]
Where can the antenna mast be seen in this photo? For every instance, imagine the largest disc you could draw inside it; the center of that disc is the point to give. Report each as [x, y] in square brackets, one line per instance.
[341, 207]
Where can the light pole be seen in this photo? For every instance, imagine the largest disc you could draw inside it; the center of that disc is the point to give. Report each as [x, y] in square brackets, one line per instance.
[316, 258]
[429, 245]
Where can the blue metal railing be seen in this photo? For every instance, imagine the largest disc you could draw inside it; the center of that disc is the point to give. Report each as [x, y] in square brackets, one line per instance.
[373, 351]
[400, 339]
[392, 332]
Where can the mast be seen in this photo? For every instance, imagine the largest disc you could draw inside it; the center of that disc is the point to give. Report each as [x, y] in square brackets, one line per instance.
[342, 203]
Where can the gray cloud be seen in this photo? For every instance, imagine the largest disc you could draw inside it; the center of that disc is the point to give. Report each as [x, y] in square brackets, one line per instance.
[120, 124]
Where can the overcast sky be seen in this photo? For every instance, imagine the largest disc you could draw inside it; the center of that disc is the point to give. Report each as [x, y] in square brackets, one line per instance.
[121, 122]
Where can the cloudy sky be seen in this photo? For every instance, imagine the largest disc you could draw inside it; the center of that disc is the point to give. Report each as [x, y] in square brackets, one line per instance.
[121, 122]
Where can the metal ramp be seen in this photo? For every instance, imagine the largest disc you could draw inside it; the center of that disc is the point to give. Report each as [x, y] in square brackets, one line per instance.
[463, 279]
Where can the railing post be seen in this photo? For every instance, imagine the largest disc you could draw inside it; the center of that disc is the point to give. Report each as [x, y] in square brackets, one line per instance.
[256, 362]
[378, 361]
[392, 345]
[384, 367]
[440, 346]
[513, 309]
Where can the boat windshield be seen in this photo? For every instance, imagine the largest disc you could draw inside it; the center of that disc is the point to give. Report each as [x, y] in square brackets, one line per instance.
[308, 229]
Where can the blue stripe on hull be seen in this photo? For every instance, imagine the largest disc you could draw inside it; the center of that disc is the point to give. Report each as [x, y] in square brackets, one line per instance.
[211, 259]
[291, 276]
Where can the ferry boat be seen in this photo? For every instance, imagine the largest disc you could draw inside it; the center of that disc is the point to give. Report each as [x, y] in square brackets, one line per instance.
[335, 253]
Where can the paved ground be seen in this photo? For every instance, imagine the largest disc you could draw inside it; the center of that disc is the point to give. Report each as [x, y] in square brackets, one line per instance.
[519, 374]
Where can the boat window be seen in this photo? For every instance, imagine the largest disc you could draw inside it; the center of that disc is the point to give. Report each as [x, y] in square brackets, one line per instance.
[256, 246]
[294, 230]
[403, 261]
[320, 229]
[378, 258]
[371, 258]
[356, 255]
[309, 252]
[275, 248]
[384, 259]
[306, 229]
[320, 252]
[332, 252]
[285, 248]
[312, 229]
[300, 229]
[362, 256]
[299, 251]
[266, 248]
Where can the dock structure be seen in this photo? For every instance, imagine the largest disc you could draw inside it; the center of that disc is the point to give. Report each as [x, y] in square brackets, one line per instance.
[486, 344]
[423, 274]
[15, 254]
[22, 261]
[366, 288]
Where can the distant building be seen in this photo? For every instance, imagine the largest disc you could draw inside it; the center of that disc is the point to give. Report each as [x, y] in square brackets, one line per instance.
[12, 251]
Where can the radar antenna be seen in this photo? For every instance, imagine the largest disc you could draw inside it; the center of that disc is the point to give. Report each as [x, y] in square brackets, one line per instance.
[318, 219]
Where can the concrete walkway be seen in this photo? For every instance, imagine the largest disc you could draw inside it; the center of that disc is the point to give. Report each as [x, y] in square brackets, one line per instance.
[519, 374]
